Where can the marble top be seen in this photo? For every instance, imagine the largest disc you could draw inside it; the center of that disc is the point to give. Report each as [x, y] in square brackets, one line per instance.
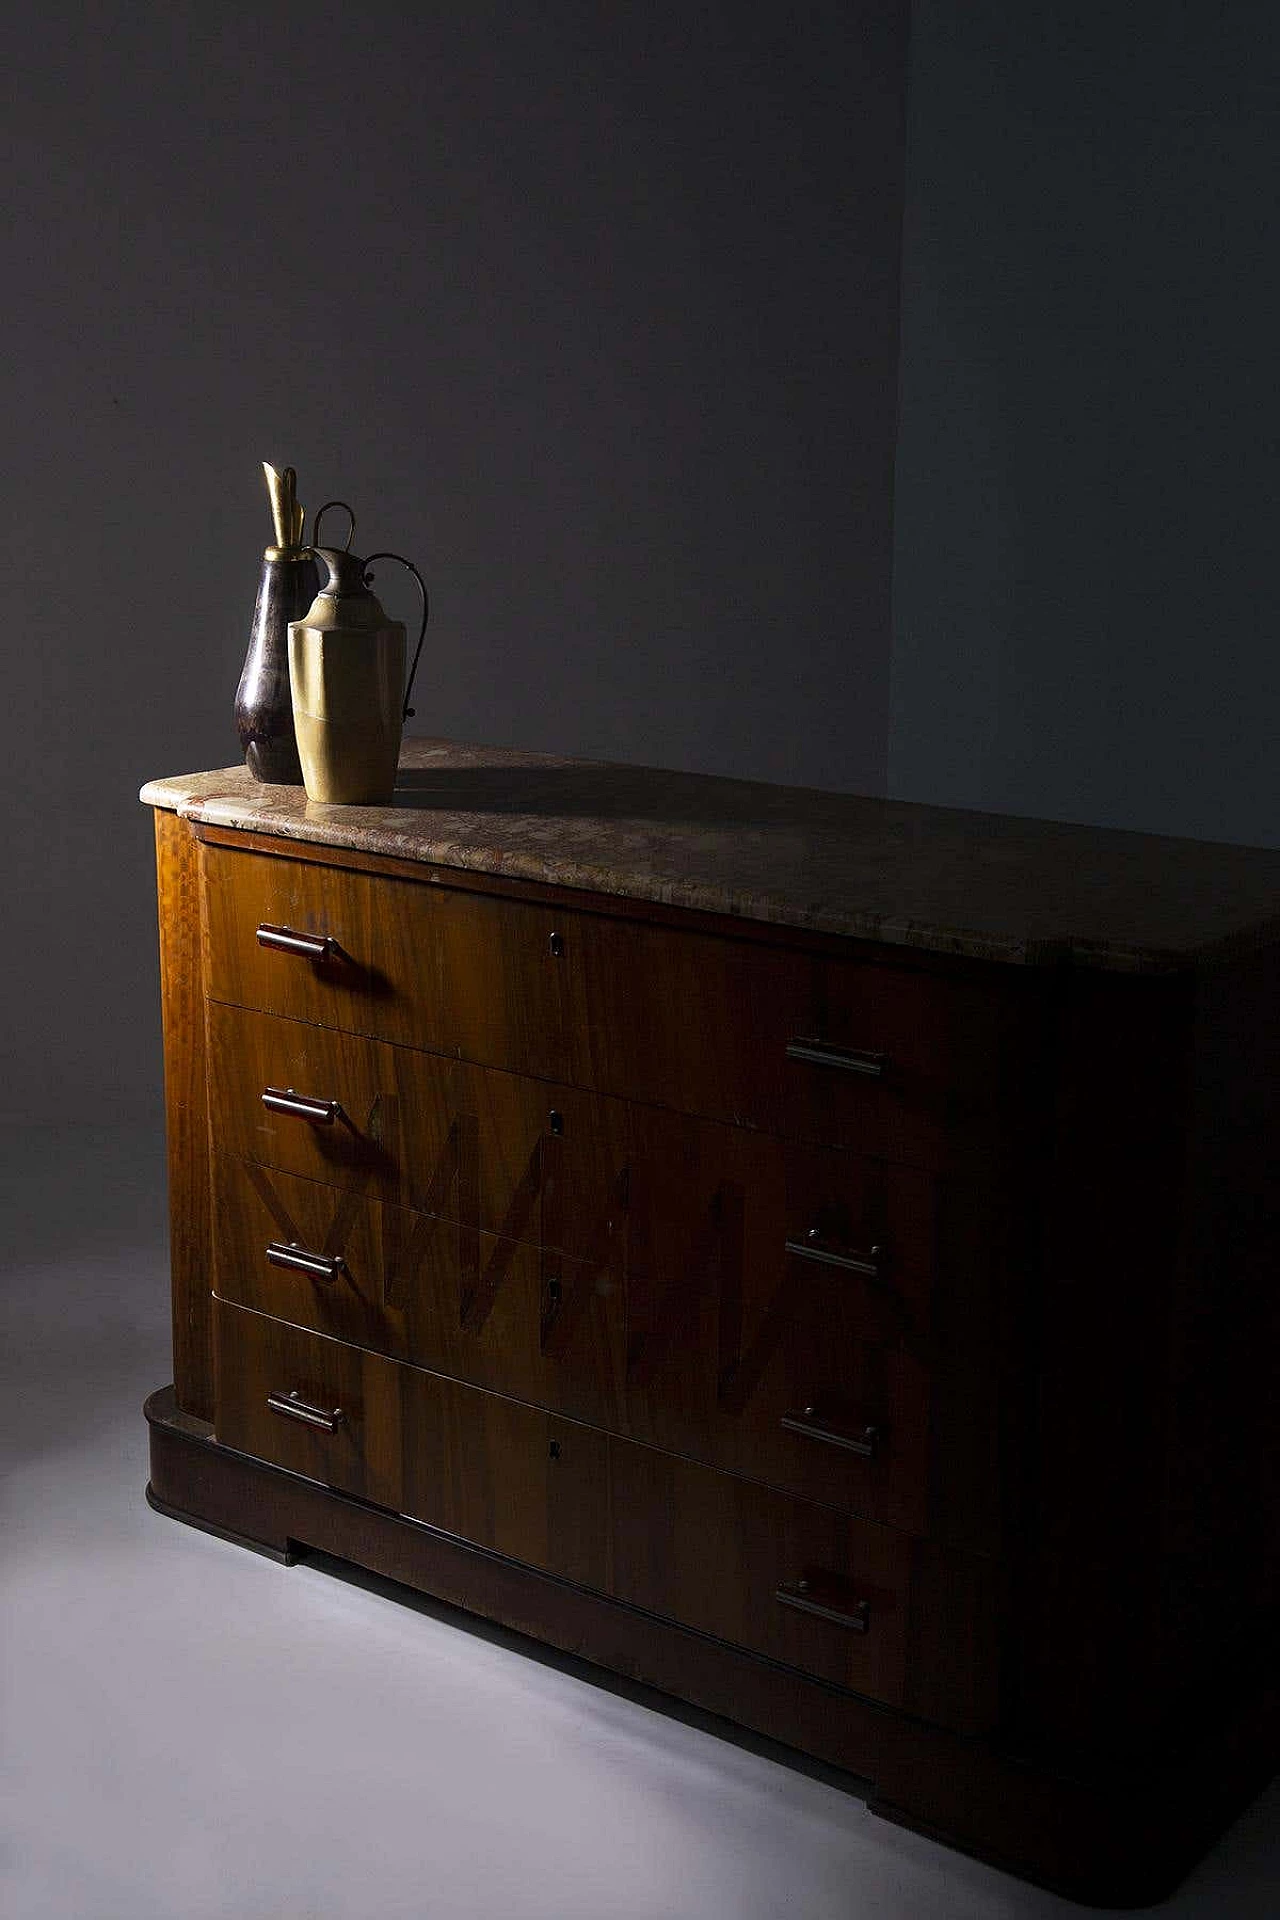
[984, 885]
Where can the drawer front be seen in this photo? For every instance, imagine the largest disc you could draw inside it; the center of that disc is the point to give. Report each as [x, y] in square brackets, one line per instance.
[346, 1430]
[504, 1476]
[426, 966]
[499, 1314]
[663, 1197]
[792, 1372]
[837, 1597]
[508, 1154]
[892, 1061]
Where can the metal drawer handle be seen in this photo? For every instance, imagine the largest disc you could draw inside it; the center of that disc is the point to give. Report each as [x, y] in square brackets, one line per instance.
[856, 1618]
[814, 1247]
[294, 1407]
[820, 1053]
[319, 1266]
[311, 946]
[862, 1440]
[321, 1113]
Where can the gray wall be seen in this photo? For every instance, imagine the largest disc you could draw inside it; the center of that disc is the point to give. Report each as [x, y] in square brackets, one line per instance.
[1089, 468]
[587, 307]
[592, 309]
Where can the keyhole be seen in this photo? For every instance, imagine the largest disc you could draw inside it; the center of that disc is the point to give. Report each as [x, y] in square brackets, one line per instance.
[555, 1450]
[556, 944]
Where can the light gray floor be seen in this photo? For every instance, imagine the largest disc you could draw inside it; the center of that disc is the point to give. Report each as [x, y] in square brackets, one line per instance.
[191, 1731]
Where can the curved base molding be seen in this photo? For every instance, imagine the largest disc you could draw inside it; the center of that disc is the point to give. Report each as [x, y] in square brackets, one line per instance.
[1104, 1837]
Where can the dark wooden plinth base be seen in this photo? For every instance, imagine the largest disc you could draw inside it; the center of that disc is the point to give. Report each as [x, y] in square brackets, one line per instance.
[1107, 1839]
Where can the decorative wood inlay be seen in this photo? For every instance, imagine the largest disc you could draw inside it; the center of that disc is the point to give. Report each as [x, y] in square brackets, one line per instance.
[662, 1312]
[406, 1237]
[345, 1210]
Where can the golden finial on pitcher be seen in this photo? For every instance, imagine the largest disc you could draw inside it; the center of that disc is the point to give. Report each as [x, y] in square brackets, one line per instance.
[288, 516]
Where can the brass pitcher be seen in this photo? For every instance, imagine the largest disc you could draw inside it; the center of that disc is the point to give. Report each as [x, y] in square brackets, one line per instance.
[346, 672]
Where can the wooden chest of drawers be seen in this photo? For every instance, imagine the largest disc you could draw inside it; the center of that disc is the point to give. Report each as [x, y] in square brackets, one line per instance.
[849, 1316]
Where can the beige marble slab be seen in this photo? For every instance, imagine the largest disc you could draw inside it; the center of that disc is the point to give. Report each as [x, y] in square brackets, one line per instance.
[988, 886]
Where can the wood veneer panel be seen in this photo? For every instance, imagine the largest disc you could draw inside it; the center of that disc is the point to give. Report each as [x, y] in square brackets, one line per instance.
[704, 1025]
[712, 1552]
[684, 1224]
[540, 1327]
[740, 1336]
[685, 1322]
[456, 973]
[182, 1009]
[678, 1539]
[595, 1176]
[496, 1313]
[424, 1131]
[686, 1021]
[257, 1357]
[508, 1477]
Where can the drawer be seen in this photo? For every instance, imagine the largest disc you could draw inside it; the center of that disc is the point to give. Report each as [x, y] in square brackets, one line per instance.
[504, 1476]
[809, 1404]
[456, 973]
[896, 1061]
[792, 1372]
[864, 1367]
[525, 1158]
[500, 1314]
[664, 1197]
[840, 1598]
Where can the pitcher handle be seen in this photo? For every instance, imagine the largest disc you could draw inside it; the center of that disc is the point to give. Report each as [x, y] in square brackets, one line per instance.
[316, 541]
[407, 713]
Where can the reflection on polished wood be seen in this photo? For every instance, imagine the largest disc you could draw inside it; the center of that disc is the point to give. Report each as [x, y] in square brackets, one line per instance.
[182, 1007]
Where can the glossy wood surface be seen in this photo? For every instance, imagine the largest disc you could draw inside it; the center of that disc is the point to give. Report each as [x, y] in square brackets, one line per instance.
[550, 1163]
[563, 1178]
[182, 1010]
[696, 1023]
[714, 1379]
[497, 1313]
[713, 1552]
[684, 1226]
[505, 1476]
[679, 1539]
[1114, 1833]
